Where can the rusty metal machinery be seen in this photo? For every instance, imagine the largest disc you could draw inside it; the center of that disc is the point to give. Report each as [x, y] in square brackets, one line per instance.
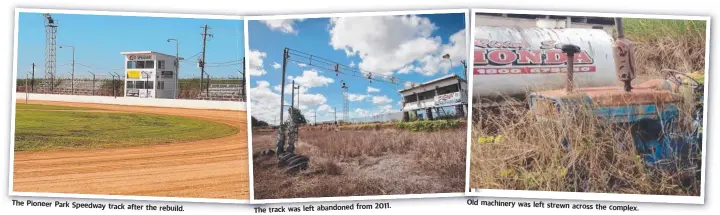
[651, 110]
[623, 52]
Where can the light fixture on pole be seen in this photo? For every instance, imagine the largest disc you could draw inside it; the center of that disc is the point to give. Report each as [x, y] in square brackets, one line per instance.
[72, 75]
[447, 57]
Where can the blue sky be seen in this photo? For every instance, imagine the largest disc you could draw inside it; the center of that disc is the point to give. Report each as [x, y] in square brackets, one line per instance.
[99, 39]
[406, 47]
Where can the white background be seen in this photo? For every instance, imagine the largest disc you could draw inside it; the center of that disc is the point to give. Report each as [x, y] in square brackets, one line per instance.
[275, 7]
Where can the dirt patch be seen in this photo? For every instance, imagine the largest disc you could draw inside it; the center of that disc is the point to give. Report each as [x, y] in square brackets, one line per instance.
[216, 168]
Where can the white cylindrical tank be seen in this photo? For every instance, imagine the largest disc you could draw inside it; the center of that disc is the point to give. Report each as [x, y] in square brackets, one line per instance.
[513, 61]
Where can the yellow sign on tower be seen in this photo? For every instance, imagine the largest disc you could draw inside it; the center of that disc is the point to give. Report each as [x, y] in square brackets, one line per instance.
[133, 73]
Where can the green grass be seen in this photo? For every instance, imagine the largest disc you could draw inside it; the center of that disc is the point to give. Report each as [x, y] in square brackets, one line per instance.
[667, 44]
[428, 125]
[37, 130]
[24, 106]
[644, 30]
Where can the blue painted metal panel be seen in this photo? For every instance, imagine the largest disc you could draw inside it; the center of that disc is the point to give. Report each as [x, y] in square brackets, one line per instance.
[649, 126]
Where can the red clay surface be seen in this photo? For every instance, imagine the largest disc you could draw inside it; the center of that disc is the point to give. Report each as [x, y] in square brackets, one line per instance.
[215, 168]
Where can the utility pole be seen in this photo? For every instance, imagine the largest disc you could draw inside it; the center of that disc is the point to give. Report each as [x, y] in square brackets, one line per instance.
[464, 69]
[242, 79]
[93, 83]
[281, 135]
[292, 99]
[298, 92]
[202, 60]
[32, 81]
[72, 75]
[177, 65]
[26, 87]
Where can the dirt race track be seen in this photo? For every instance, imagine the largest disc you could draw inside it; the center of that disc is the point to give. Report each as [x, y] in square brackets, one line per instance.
[216, 168]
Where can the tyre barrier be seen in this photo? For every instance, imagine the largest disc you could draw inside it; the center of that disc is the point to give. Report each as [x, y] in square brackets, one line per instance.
[291, 162]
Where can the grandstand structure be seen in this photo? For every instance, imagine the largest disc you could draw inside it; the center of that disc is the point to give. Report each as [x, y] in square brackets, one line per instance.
[97, 86]
[231, 89]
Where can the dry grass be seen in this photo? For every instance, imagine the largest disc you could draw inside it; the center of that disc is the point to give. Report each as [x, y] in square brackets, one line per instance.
[600, 157]
[667, 44]
[355, 163]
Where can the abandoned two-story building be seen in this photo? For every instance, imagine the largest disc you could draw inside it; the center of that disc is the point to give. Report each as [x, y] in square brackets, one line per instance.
[444, 97]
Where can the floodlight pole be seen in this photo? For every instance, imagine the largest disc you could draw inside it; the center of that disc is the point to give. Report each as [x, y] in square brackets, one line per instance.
[292, 99]
[177, 64]
[113, 84]
[26, 88]
[147, 79]
[464, 69]
[93, 83]
[298, 92]
[72, 75]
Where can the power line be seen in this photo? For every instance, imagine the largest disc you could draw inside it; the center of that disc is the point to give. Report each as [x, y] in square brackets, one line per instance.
[91, 67]
[226, 65]
[192, 56]
[202, 61]
[226, 62]
[329, 65]
[233, 31]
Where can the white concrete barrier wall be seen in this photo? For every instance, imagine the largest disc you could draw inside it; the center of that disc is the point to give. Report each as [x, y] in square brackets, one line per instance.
[151, 102]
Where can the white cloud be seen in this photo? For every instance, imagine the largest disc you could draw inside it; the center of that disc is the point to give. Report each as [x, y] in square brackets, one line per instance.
[381, 100]
[324, 108]
[396, 43]
[372, 89]
[356, 97]
[282, 25]
[407, 69]
[288, 89]
[276, 65]
[304, 108]
[433, 64]
[361, 112]
[311, 78]
[301, 65]
[456, 48]
[305, 98]
[385, 109]
[256, 63]
[265, 103]
[312, 99]
[352, 64]
[384, 43]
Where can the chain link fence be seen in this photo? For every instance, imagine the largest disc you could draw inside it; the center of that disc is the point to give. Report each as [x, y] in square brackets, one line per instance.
[220, 89]
[96, 85]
